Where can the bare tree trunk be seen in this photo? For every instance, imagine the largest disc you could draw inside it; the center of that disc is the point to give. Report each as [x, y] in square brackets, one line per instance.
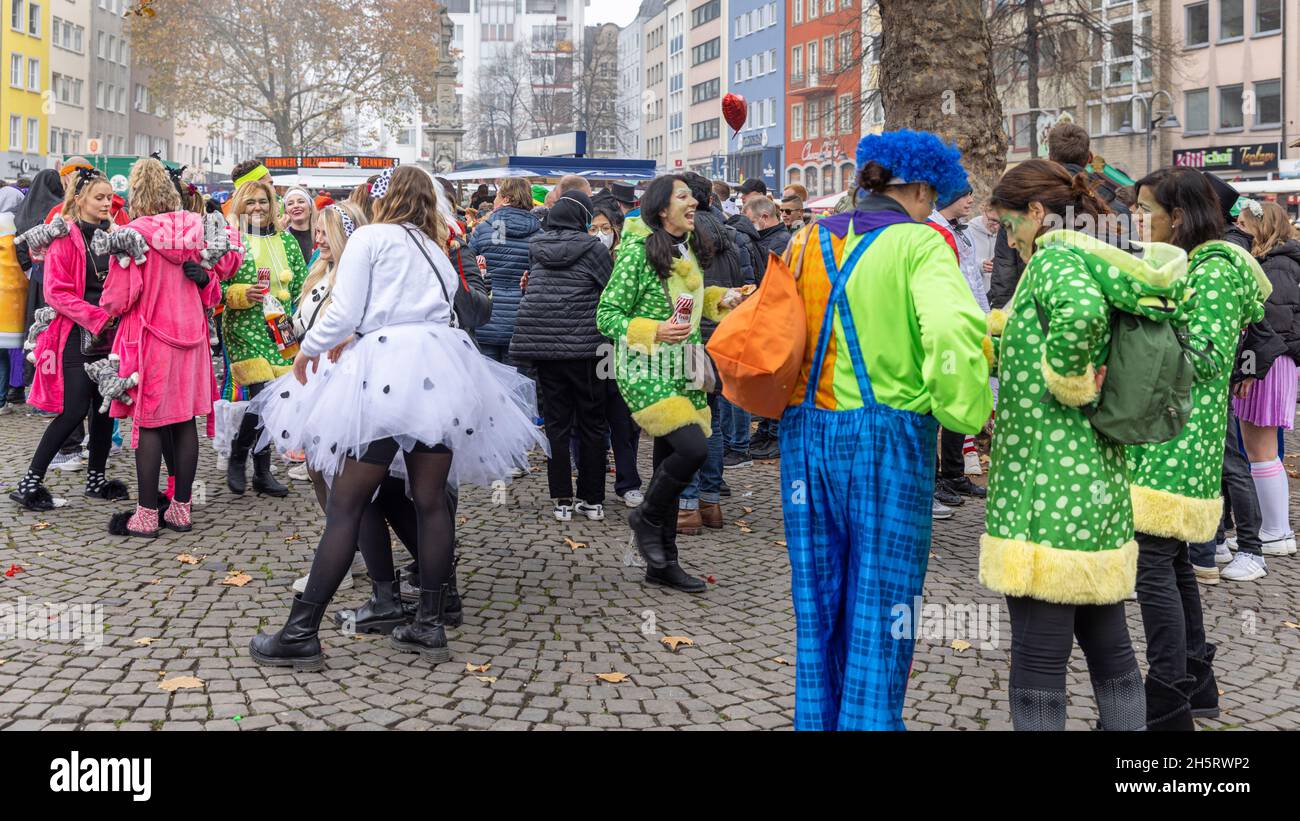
[1032, 50]
[936, 72]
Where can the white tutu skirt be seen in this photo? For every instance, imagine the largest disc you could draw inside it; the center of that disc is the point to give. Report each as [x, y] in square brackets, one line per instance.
[415, 383]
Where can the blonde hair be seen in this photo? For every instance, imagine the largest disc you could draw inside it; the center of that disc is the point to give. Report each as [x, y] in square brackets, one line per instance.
[239, 202]
[411, 199]
[516, 192]
[332, 224]
[312, 213]
[72, 200]
[1274, 229]
[152, 190]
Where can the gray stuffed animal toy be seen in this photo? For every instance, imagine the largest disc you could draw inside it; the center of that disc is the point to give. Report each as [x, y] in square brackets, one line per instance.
[41, 320]
[38, 238]
[103, 372]
[216, 240]
[125, 243]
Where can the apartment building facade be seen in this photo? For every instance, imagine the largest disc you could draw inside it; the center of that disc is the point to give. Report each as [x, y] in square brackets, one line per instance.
[69, 99]
[110, 67]
[24, 44]
[654, 91]
[706, 82]
[756, 29]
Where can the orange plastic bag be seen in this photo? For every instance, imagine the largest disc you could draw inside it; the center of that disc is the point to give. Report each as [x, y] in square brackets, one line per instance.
[758, 348]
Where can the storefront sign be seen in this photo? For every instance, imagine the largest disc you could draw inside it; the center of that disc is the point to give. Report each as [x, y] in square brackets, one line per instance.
[830, 151]
[338, 161]
[1257, 157]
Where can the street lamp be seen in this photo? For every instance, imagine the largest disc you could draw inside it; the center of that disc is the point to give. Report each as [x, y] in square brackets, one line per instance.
[1159, 120]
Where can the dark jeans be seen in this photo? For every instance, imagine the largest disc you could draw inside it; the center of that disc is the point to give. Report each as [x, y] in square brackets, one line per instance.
[769, 428]
[1242, 503]
[624, 438]
[952, 465]
[735, 422]
[574, 398]
[1043, 633]
[707, 484]
[1171, 607]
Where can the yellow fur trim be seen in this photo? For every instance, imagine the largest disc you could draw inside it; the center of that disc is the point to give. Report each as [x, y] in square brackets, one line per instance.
[673, 413]
[1022, 568]
[1162, 513]
[987, 344]
[712, 296]
[641, 333]
[1074, 391]
[996, 321]
[237, 296]
[254, 371]
[688, 272]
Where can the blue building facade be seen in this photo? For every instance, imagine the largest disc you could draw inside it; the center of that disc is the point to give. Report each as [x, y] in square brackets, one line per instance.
[756, 29]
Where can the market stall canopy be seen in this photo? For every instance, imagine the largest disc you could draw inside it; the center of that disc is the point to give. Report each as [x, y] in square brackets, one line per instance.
[1246, 187]
[593, 168]
[324, 177]
[827, 202]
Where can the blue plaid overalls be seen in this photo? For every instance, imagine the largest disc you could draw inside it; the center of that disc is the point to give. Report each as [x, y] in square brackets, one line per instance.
[857, 490]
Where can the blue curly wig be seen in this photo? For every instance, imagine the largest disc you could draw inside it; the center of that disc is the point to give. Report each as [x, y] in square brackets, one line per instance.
[916, 156]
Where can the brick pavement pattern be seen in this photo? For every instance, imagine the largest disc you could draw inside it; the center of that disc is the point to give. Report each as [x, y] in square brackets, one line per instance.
[546, 617]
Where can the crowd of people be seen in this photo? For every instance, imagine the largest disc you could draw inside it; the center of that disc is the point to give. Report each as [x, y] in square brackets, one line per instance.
[398, 343]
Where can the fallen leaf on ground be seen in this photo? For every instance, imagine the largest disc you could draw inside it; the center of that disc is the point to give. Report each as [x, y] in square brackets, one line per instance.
[746, 530]
[572, 544]
[960, 645]
[748, 509]
[462, 520]
[934, 555]
[40, 555]
[612, 678]
[779, 542]
[237, 579]
[781, 660]
[186, 558]
[486, 679]
[145, 641]
[155, 581]
[294, 538]
[476, 668]
[171, 685]
[40, 525]
[675, 641]
[1292, 624]
[741, 523]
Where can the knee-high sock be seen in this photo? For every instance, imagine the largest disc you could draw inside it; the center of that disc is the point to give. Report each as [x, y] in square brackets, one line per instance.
[1271, 487]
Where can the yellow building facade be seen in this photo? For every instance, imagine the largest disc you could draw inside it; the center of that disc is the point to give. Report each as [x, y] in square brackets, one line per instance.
[24, 84]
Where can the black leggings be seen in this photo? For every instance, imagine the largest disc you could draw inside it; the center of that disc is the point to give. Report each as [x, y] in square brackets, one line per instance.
[345, 511]
[80, 397]
[182, 438]
[247, 434]
[1042, 636]
[390, 507]
[681, 453]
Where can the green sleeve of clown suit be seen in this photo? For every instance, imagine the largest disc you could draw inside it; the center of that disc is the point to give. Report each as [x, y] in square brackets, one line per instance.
[1215, 323]
[616, 315]
[955, 368]
[1078, 325]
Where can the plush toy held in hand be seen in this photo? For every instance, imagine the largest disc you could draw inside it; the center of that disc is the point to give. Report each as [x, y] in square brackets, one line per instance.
[38, 238]
[103, 373]
[125, 243]
[216, 240]
[41, 320]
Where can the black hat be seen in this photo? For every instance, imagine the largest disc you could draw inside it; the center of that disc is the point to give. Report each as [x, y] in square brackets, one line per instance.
[625, 194]
[753, 185]
[1227, 195]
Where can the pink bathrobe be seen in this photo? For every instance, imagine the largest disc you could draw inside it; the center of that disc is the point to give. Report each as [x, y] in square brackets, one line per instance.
[65, 285]
[163, 333]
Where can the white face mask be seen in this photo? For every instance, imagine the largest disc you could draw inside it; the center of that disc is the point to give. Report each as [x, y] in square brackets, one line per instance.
[606, 238]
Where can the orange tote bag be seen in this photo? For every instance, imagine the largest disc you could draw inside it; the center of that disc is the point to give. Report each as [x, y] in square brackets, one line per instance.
[758, 348]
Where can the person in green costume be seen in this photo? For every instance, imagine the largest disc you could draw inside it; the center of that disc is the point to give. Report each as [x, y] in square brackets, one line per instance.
[1059, 542]
[661, 365]
[273, 256]
[1176, 484]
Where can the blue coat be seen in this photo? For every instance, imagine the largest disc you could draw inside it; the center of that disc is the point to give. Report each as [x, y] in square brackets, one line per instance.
[502, 239]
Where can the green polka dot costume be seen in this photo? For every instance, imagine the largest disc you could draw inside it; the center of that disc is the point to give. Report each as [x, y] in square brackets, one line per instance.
[1176, 484]
[1059, 521]
[254, 357]
[653, 376]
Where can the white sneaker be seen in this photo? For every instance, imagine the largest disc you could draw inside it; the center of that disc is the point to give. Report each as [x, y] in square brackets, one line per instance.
[563, 513]
[1245, 568]
[518, 473]
[299, 472]
[941, 511]
[1222, 553]
[594, 512]
[71, 461]
[1231, 542]
[223, 462]
[973, 467]
[1276, 545]
[633, 498]
[1206, 575]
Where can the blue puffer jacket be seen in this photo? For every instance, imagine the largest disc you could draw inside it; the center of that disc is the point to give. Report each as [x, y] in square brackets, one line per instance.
[502, 239]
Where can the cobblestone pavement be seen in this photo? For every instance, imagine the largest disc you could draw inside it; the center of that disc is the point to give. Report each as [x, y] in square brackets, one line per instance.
[547, 618]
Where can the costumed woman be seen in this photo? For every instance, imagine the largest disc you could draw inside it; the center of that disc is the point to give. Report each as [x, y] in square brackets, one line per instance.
[78, 335]
[894, 347]
[300, 220]
[273, 268]
[652, 308]
[1176, 484]
[1059, 543]
[163, 337]
[412, 385]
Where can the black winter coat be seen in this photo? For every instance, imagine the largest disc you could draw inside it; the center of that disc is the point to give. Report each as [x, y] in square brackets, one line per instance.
[747, 241]
[774, 240]
[726, 267]
[1282, 310]
[567, 272]
[1007, 268]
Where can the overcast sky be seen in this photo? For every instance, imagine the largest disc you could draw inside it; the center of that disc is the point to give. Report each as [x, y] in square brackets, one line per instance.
[611, 11]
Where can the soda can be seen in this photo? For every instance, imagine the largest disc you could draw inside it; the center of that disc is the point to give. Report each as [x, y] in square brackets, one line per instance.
[682, 312]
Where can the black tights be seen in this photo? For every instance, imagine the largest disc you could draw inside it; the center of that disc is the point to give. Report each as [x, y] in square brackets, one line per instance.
[182, 439]
[680, 453]
[1043, 633]
[390, 507]
[345, 513]
[247, 434]
[80, 397]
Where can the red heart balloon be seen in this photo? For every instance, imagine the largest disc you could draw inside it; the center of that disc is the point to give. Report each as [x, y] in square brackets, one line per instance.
[734, 111]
